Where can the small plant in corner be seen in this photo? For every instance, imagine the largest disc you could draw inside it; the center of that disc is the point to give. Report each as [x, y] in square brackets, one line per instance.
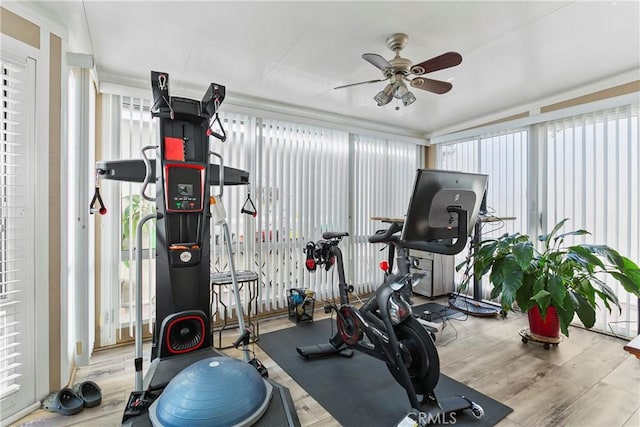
[552, 277]
[135, 208]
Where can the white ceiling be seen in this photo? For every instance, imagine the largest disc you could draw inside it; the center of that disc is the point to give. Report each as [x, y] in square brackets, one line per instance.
[514, 53]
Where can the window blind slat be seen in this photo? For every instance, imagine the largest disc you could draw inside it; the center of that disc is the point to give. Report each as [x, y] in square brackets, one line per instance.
[8, 379]
[9, 356]
[8, 384]
[10, 389]
[9, 367]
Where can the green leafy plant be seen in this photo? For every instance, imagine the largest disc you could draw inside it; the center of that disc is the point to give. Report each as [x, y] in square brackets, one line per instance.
[569, 278]
[135, 208]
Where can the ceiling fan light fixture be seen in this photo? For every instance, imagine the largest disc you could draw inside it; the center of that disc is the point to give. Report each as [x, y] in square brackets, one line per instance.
[401, 90]
[385, 95]
[408, 99]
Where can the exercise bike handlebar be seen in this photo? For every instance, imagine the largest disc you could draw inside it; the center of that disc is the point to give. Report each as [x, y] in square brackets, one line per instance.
[389, 236]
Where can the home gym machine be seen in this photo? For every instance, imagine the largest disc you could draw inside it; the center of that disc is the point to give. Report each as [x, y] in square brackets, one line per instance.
[188, 382]
[444, 207]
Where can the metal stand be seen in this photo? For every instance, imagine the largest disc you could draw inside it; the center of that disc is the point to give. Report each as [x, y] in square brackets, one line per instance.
[219, 283]
[476, 306]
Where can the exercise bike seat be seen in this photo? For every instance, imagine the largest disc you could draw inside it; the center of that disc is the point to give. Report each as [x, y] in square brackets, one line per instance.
[334, 234]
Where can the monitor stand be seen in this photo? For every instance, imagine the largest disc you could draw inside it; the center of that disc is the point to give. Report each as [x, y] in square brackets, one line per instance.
[472, 307]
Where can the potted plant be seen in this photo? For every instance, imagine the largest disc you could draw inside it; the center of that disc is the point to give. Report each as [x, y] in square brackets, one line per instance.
[135, 208]
[554, 280]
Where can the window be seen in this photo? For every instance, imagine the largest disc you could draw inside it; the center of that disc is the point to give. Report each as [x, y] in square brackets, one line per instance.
[17, 236]
[504, 159]
[587, 172]
[383, 176]
[305, 171]
[592, 178]
[303, 180]
[128, 127]
[137, 130]
[237, 152]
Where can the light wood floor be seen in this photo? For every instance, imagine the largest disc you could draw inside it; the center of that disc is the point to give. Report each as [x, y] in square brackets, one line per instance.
[588, 380]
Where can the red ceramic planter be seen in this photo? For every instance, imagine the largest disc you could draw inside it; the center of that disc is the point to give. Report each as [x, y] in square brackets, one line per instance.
[547, 327]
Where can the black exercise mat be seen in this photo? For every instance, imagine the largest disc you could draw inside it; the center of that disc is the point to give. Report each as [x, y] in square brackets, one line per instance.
[360, 391]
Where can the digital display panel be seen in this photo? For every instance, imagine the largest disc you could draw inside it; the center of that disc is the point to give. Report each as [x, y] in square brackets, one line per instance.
[184, 187]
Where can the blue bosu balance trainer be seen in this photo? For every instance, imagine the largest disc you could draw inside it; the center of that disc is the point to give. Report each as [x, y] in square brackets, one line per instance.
[219, 391]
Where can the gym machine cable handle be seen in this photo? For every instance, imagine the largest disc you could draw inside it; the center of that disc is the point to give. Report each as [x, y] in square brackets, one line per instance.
[101, 208]
[251, 209]
[222, 137]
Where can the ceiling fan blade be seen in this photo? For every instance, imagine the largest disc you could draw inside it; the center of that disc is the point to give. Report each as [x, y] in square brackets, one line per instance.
[446, 60]
[360, 83]
[376, 60]
[430, 85]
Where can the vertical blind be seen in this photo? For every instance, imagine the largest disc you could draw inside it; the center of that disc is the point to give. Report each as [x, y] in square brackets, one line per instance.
[588, 173]
[108, 306]
[591, 171]
[504, 159]
[137, 130]
[16, 231]
[304, 180]
[383, 177]
[236, 153]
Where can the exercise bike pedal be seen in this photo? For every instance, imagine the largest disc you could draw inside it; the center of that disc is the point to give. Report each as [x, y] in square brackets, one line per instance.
[412, 419]
[441, 409]
[327, 308]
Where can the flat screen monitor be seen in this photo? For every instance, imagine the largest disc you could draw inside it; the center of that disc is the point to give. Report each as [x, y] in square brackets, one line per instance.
[428, 219]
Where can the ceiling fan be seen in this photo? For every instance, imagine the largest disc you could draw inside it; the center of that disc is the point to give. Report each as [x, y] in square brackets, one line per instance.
[398, 69]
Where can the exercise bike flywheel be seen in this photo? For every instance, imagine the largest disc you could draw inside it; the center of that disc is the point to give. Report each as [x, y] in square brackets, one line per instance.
[348, 326]
[420, 356]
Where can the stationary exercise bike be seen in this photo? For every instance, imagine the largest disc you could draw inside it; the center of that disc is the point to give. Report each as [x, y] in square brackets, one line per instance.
[392, 333]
